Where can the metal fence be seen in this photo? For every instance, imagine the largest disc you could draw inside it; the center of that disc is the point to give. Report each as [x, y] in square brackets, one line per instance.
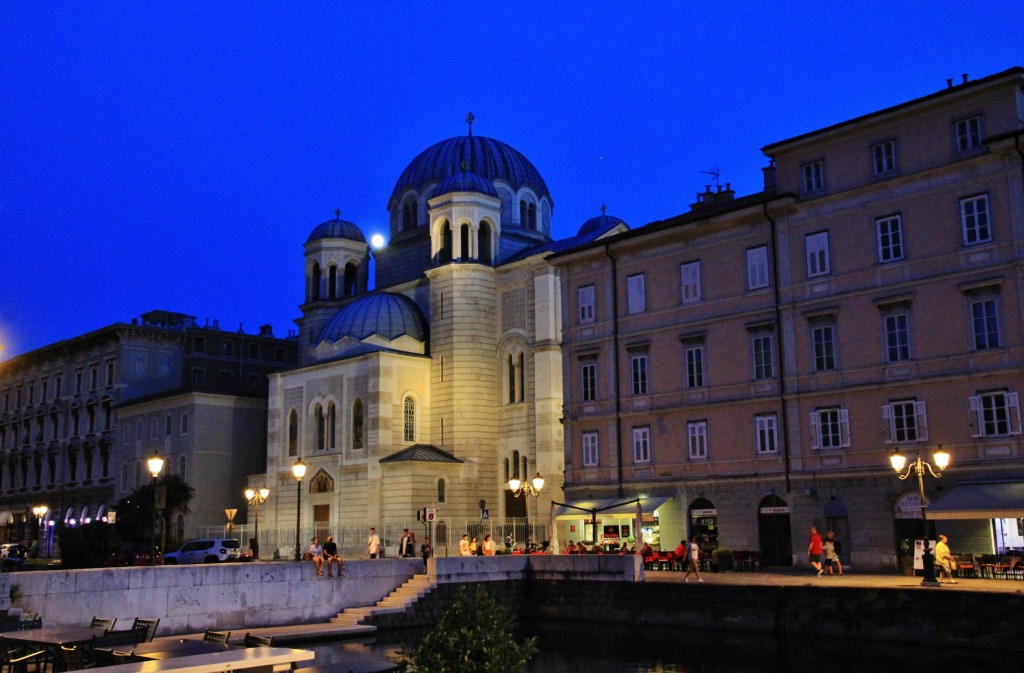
[351, 538]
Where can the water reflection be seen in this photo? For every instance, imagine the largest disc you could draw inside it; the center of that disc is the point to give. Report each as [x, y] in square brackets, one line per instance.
[601, 648]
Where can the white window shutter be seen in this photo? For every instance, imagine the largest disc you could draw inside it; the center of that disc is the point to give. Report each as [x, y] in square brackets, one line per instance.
[1013, 409]
[844, 427]
[815, 431]
[922, 420]
[974, 415]
[887, 429]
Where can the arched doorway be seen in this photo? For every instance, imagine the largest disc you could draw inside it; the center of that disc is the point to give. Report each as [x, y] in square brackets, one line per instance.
[907, 526]
[774, 531]
[837, 520]
[704, 523]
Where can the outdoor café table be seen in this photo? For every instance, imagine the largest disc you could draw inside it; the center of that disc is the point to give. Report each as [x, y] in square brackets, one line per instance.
[50, 638]
[166, 648]
[244, 659]
[53, 636]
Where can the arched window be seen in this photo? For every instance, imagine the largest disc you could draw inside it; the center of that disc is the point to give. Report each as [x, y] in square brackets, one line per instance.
[532, 214]
[331, 423]
[293, 433]
[522, 377]
[508, 472]
[523, 217]
[406, 217]
[332, 282]
[351, 276]
[515, 464]
[357, 424]
[314, 283]
[441, 490]
[484, 243]
[409, 412]
[511, 372]
[318, 413]
[466, 253]
[445, 256]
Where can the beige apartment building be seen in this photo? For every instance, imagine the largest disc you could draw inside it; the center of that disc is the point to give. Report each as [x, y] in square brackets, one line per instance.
[747, 368]
[79, 418]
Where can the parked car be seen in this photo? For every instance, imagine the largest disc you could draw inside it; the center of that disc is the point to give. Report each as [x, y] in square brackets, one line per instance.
[209, 550]
[12, 554]
[135, 554]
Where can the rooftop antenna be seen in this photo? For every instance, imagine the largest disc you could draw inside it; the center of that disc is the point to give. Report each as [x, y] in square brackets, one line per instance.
[715, 174]
[337, 213]
[469, 120]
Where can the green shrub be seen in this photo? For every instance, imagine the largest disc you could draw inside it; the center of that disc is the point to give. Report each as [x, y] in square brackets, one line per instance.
[473, 636]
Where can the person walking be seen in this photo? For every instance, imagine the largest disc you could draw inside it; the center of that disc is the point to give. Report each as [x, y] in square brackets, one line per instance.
[838, 548]
[330, 552]
[814, 549]
[405, 547]
[373, 543]
[316, 555]
[943, 560]
[693, 557]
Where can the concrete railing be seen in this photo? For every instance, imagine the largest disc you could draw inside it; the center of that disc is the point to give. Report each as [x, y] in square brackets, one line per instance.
[194, 598]
[235, 596]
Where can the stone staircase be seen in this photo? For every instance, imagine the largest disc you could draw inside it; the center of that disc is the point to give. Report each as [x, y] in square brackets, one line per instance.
[395, 602]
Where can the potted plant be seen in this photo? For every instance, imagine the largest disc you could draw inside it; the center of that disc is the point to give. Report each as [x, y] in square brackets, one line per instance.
[721, 559]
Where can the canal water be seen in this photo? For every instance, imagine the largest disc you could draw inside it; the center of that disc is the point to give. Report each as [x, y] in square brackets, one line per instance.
[601, 648]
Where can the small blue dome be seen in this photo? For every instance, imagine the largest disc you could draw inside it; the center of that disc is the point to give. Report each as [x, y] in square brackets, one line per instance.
[601, 223]
[383, 314]
[490, 159]
[337, 228]
[465, 181]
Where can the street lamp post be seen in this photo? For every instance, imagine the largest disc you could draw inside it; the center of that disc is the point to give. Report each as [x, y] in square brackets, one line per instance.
[918, 467]
[39, 511]
[155, 464]
[526, 488]
[255, 499]
[299, 471]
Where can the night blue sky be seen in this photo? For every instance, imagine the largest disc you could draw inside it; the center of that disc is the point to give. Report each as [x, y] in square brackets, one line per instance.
[177, 155]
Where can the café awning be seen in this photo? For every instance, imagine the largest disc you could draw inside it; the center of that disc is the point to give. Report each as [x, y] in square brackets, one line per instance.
[983, 500]
[614, 506]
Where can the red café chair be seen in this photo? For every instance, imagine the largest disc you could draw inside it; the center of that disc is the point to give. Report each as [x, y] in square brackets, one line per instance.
[665, 560]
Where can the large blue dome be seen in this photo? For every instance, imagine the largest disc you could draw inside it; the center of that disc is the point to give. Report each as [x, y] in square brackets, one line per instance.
[337, 228]
[383, 314]
[464, 181]
[490, 159]
[601, 223]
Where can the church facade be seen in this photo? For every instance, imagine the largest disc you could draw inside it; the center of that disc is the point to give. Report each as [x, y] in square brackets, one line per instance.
[444, 381]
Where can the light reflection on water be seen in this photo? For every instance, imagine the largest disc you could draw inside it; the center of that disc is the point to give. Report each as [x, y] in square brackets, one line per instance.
[602, 648]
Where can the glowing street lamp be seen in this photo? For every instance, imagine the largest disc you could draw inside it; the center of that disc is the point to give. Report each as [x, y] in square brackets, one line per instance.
[918, 467]
[532, 487]
[155, 464]
[298, 471]
[255, 499]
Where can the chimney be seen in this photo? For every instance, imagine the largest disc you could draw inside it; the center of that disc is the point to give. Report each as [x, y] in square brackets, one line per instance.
[709, 199]
[965, 77]
[949, 83]
[768, 172]
[266, 331]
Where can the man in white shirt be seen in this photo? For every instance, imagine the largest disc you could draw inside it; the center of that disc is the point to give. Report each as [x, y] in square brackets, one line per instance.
[464, 546]
[373, 543]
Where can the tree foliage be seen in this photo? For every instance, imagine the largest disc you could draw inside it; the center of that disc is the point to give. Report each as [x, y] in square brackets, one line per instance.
[86, 545]
[135, 515]
[473, 636]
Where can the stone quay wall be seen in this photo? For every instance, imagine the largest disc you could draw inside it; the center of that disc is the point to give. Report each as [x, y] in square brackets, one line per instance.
[193, 598]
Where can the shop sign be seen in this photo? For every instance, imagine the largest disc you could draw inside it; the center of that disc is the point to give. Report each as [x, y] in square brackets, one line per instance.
[694, 513]
[908, 506]
[775, 510]
[572, 528]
